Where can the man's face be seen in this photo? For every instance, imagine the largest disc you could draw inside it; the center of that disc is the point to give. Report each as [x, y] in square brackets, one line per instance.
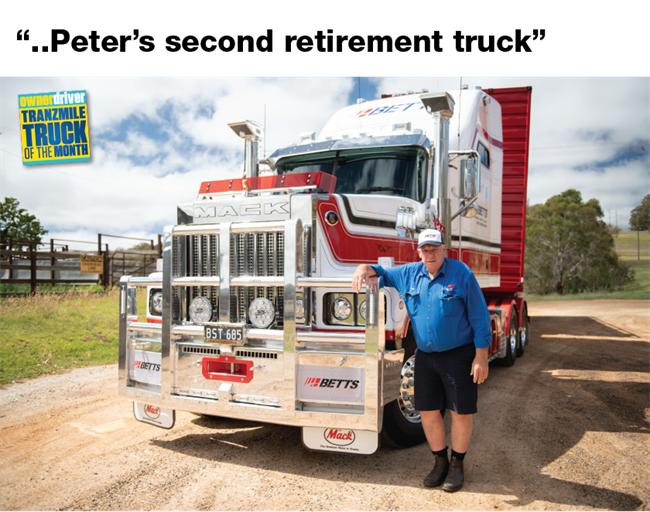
[432, 257]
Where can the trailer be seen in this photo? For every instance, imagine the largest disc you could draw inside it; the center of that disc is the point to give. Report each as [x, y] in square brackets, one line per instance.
[254, 317]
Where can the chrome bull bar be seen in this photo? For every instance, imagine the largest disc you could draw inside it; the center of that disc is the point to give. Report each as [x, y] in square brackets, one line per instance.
[298, 347]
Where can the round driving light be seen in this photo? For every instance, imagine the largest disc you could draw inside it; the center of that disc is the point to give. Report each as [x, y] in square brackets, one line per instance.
[200, 310]
[261, 313]
[156, 303]
[362, 310]
[300, 309]
[342, 309]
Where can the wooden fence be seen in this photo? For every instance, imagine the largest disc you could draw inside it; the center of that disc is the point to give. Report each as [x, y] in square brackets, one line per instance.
[17, 262]
[132, 263]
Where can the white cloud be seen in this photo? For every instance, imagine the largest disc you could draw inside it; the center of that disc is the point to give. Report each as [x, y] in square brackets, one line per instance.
[579, 129]
[132, 186]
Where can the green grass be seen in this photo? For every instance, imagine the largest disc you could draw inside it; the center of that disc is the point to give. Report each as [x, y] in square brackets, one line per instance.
[626, 244]
[47, 334]
[626, 247]
[48, 288]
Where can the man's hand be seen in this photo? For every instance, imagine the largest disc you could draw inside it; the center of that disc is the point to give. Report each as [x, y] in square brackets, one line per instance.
[480, 367]
[402, 331]
[362, 275]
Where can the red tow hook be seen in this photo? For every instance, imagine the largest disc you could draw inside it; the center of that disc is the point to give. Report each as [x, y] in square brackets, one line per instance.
[227, 368]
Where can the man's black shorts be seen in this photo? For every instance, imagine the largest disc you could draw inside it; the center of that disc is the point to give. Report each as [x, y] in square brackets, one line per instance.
[443, 380]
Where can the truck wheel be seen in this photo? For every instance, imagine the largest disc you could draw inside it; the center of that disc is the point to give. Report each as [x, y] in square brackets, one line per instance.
[524, 335]
[402, 427]
[512, 344]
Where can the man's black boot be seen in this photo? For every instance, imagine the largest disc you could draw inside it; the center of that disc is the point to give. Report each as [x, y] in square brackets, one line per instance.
[438, 473]
[455, 477]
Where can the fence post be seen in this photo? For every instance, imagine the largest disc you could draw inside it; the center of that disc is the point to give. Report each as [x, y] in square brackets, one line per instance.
[51, 260]
[11, 259]
[105, 273]
[32, 257]
[99, 243]
[160, 246]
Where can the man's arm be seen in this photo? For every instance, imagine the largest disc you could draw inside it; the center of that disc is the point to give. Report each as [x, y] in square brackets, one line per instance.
[480, 366]
[364, 274]
[479, 318]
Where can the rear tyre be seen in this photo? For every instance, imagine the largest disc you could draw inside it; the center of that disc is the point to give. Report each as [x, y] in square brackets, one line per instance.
[524, 334]
[402, 427]
[512, 343]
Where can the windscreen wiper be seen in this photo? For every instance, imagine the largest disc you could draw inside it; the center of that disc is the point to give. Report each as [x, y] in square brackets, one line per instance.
[378, 189]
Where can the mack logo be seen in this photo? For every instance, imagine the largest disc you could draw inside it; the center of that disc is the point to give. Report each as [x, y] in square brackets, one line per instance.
[143, 365]
[317, 382]
[339, 437]
[244, 210]
[152, 411]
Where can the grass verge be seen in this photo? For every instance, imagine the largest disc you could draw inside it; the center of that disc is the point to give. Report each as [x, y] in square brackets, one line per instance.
[45, 334]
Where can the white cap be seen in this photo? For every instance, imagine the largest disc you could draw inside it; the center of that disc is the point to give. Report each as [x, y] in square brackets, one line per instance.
[430, 236]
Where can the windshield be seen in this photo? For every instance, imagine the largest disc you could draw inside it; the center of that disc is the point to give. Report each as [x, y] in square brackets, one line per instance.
[392, 171]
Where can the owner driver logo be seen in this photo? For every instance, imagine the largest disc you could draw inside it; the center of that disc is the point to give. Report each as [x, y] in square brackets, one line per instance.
[339, 437]
[317, 382]
[54, 127]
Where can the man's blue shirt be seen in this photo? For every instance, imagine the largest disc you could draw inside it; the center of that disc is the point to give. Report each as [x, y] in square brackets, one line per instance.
[447, 311]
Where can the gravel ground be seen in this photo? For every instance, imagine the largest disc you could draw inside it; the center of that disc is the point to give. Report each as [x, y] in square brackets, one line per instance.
[566, 428]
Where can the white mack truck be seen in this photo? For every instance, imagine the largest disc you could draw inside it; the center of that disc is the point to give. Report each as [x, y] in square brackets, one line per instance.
[253, 315]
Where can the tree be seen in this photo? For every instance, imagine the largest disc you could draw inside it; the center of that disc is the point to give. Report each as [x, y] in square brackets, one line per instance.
[640, 216]
[17, 224]
[569, 249]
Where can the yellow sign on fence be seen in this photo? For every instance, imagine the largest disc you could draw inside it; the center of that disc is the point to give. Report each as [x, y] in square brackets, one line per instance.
[92, 264]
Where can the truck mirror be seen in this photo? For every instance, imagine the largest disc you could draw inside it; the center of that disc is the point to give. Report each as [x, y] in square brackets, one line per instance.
[470, 178]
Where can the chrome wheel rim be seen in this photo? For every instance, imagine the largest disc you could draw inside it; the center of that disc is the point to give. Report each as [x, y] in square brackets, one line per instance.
[523, 338]
[406, 400]
[513, 341]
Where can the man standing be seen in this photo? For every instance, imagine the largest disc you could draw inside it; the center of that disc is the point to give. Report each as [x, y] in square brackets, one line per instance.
[451, 324]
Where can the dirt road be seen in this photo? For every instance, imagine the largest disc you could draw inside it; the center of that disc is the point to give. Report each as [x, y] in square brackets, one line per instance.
[566, 428]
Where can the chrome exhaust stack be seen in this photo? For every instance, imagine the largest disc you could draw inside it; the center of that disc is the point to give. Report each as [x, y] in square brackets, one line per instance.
[251, 132]
[441, 107]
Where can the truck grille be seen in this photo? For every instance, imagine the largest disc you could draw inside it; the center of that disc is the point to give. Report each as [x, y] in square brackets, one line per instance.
[256, 254]
[251, 254]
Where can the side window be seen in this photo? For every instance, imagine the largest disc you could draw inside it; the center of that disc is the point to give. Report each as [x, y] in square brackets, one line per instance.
[484, 154]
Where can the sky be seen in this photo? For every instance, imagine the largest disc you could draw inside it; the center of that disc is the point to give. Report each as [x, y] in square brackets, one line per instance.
[153, 141]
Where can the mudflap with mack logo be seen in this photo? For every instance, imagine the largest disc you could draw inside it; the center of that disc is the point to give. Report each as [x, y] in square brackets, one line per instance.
[154, 415]
[344, 440]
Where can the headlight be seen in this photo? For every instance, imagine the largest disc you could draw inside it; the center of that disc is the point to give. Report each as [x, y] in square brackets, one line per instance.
[342, 309]
[156, 302]
[362, 310]
[200, 310]
[261, 313]
[300, 309]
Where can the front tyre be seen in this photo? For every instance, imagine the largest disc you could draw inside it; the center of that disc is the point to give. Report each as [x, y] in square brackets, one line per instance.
[512, 343]
[402, 427]
[524, 334]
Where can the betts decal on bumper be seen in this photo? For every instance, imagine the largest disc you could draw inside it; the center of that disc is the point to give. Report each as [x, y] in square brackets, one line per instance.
[145, 366]
[330, 383]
